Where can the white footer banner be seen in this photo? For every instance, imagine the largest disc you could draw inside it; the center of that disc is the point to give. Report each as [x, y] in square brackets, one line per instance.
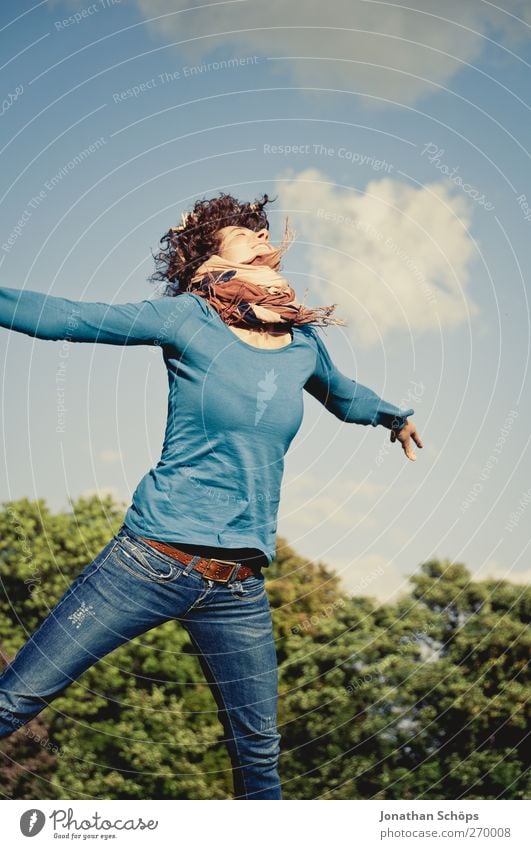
[319, 824]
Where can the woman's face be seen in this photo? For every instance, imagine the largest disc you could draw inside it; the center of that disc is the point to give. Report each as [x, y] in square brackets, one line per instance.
[240, 244]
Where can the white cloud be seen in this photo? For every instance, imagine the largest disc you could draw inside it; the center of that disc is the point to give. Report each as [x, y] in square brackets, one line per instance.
[392, 257]
[370, 575]
[308, 502]
[313, 513]
[377, 576]
[382, 49]
[103, 492]
[109, 456]
[499, 570]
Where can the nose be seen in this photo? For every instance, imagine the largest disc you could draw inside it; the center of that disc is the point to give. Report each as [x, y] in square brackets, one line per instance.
[263, 234]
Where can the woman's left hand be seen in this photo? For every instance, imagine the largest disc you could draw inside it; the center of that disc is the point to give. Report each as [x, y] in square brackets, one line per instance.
[404, 435]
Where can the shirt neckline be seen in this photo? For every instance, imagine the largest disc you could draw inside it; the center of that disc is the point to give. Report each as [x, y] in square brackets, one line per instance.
[247, 344]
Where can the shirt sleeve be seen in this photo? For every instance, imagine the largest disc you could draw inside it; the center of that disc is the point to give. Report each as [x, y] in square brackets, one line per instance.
[348, 400]
[146, 322]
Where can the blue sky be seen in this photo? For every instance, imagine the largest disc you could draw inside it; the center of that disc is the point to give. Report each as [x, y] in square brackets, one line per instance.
[396, 139]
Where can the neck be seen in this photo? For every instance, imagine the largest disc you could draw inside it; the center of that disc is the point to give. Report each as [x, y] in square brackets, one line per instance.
[262, 338]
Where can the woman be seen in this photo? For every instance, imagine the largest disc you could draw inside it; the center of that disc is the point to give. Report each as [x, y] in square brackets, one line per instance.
[239, 349]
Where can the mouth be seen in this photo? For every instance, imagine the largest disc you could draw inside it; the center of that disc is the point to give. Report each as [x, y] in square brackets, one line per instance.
[258, 258]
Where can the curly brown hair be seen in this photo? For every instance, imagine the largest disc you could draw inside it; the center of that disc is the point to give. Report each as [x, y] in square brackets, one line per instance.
[187, 246]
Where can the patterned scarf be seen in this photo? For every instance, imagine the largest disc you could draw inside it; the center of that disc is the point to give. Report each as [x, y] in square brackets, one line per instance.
[255, 295]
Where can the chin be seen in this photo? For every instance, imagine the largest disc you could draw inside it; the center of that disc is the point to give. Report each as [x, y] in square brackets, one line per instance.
[260, 259]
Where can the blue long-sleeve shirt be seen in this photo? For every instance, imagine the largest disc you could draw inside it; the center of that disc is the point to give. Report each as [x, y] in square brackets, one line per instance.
[233, 410]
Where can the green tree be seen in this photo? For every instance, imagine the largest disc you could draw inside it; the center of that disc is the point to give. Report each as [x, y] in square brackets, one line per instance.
[425, 697]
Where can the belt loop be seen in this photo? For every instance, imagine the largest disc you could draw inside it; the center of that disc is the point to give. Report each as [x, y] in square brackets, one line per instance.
[191, 564]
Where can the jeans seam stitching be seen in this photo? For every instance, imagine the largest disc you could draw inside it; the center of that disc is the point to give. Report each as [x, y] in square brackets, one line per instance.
[225, 708]
[67, 595]
[146, 548]
[201, 597]
[150, 579]
[249, 600]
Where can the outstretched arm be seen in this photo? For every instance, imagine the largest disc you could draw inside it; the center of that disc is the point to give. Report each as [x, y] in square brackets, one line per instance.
[348, 400]
[43, 316]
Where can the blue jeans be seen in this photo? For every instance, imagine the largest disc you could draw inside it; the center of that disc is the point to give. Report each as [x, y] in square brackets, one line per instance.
[130, 588]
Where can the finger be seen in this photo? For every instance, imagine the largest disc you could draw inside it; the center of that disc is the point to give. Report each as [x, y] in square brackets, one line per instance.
[408, 450]
[417, 439]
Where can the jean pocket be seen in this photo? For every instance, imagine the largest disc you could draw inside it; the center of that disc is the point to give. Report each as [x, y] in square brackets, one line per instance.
[144, 565]
[250, 589]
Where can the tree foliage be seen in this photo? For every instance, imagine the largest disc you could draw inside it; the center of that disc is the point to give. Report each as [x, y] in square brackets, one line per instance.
[423, 698]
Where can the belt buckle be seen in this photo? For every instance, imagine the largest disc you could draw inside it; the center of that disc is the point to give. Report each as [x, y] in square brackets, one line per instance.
[217, 560]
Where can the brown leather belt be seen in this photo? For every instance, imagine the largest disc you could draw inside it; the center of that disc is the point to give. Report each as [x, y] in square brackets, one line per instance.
[216, 570]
